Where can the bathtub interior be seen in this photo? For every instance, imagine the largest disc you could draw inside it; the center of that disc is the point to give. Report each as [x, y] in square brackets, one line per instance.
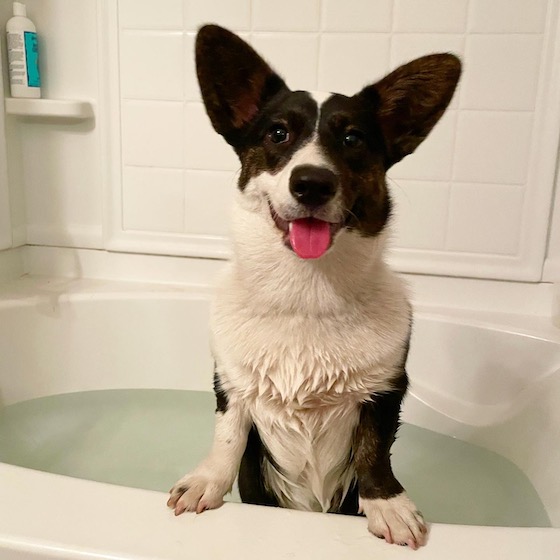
[132, 355]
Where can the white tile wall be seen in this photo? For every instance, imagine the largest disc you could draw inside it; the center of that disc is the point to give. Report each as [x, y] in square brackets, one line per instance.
[507, 16]
[503, 72]
[234, 14]
[350, 61]
[493, 147]
[153, 199]
[433, 160]
[164, 14]
[192, 92]
[285, 50]
[475, 209]
[203, 148]
[152, 65]
[357, 15]
[292, 15]
[201, 187]
[433, 16]
[471, 191]
[152, 133]
[421, 213]
[407, 46]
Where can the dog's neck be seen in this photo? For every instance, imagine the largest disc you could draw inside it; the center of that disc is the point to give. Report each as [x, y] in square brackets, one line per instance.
[351, 273]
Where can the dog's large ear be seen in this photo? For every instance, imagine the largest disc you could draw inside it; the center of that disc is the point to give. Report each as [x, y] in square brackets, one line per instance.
[234, 80]
[411, 100]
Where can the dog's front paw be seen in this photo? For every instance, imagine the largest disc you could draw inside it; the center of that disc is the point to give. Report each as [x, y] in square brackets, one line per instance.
[396, 520]
[197, 492]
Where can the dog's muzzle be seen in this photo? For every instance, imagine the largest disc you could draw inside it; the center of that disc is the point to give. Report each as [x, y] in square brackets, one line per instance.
[310, 234]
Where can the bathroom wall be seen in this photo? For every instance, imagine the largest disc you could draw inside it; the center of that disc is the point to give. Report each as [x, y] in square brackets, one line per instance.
[55, 165]
[5, 214]
[148, 174]
[5, 218]
[552, 263]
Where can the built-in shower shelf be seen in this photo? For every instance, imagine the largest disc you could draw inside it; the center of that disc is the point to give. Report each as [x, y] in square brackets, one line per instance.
[67, 109]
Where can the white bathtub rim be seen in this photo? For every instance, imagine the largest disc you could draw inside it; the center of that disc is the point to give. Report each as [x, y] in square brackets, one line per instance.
[233, 530]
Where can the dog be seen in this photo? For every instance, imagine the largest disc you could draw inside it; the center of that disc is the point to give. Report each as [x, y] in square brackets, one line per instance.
[310, 328]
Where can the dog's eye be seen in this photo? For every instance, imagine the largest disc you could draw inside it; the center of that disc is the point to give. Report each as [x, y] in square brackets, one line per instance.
[278, 134]
[353, 139]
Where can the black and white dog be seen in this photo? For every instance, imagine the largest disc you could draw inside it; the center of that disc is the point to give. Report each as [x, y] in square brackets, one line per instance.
[310, 328]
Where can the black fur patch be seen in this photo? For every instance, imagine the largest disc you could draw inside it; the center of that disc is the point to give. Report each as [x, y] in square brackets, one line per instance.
[221, 395]
[252, 485]
[375, 434]
[359, 165]
[350, 504]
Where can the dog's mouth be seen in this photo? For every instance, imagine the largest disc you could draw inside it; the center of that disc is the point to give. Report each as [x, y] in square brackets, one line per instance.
[308, 237]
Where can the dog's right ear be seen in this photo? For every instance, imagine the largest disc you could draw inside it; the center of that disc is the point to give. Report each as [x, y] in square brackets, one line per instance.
[234, 80]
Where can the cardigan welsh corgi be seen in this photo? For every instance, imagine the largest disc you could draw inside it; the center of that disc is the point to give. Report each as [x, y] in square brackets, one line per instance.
[310, 329]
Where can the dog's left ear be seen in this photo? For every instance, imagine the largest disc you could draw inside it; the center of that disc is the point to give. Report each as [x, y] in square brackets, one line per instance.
[234, 80]
[411, 100]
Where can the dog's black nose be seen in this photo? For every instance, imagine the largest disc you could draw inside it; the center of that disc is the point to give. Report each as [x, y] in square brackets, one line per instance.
[312, 185]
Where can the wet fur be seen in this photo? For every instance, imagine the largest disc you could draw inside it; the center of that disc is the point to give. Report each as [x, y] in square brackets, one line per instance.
[310, 354]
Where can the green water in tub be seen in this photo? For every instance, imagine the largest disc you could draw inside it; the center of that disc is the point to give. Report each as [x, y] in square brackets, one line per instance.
[149, 438]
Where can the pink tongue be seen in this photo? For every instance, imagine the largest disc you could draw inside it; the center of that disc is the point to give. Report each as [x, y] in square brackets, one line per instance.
[310, 238]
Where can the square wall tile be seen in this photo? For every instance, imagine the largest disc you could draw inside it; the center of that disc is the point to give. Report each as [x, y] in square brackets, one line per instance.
[153, 199]
[443, 16]
[348, 61]
[205, 148]
[293, 55]
[357, 15]
[288, 15]
[151, 65]
[485, 218]
[493, 147]
[152, 133]
[420, 214]
[150, 14]
[408, 46]
[208, 201]
[433, 159]
[507, 16]
[501, 72]
[233, 14]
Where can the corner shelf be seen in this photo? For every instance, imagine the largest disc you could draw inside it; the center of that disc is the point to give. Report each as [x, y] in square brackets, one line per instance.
[50, 108]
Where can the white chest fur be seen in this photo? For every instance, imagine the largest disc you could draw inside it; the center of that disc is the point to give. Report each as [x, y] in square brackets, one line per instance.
[301, 344]
[311, 448]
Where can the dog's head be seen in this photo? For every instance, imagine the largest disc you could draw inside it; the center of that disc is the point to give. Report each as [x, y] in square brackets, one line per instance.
[316, 163]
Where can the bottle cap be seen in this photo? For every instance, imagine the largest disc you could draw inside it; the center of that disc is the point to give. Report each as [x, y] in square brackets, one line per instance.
[19, 9]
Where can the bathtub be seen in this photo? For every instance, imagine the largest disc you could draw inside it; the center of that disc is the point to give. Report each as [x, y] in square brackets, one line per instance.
[485, 378]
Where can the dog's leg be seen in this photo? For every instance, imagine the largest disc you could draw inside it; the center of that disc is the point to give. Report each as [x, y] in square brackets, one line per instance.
[207, 485]
[390, 512]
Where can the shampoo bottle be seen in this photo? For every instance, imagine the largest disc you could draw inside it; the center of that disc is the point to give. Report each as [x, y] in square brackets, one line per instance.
[23, 54]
